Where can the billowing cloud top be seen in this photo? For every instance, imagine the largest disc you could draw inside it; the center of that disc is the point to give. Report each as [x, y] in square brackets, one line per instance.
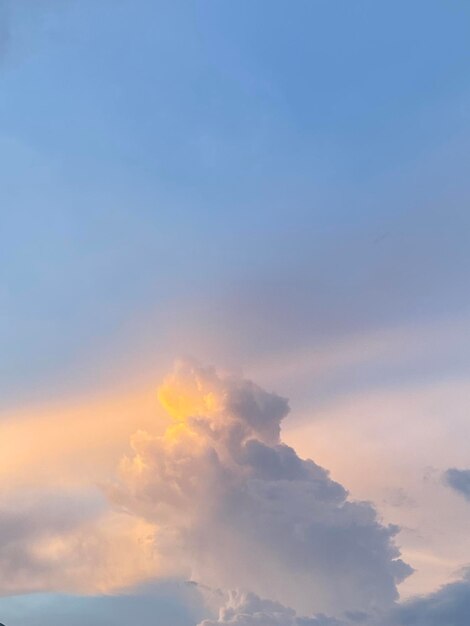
[234, 507]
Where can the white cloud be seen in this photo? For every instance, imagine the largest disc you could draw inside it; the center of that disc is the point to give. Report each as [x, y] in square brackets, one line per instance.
[234, 507]
[217, 497]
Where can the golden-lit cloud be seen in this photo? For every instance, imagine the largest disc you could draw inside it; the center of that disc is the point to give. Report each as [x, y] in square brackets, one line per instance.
[102, 553]
[112, 492]
[57, 531]
[234, 506]
[207, 475]
[74, 445]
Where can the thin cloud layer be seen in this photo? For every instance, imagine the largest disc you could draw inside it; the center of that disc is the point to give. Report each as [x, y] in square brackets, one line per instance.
[64, 544]
[234, 507]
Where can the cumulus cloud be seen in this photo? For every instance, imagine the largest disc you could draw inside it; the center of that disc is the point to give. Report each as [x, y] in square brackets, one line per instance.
[216, 496]
[449, 606]
[247, 609]
[234, 507]
[459, 480]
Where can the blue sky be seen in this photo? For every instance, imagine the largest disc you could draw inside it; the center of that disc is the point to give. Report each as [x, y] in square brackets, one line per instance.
[166, 152]
[256, 184]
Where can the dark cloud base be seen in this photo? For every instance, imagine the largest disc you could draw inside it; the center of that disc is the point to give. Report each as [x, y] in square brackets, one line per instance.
[450, 606]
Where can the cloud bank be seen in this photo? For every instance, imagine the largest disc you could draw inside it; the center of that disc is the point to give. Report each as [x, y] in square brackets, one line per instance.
[247, 609]
[234, 507]
[449, 606]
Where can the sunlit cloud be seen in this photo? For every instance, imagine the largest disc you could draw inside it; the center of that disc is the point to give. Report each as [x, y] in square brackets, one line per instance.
[234, 506]
[71, 445]
[204, 473]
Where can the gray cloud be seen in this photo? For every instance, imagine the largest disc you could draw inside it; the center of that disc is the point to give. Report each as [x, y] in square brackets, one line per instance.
[70, 543]
[459, 480]
[234, 507]
[450, 606]
[247, 609]
[23, 565]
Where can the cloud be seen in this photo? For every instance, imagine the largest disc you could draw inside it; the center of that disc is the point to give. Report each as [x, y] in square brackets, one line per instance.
[69, 544]
[459, 480]
[75, 446]
[234, 507]
[247, 609]
[58, 532]
[365, 440]
[449, 606]
[213, 496]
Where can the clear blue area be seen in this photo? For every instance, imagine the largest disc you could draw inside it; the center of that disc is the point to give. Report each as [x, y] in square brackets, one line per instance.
[269, 173]
[166, 605]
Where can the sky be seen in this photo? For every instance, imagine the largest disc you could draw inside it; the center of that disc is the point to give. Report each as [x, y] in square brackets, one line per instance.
[234, 312]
